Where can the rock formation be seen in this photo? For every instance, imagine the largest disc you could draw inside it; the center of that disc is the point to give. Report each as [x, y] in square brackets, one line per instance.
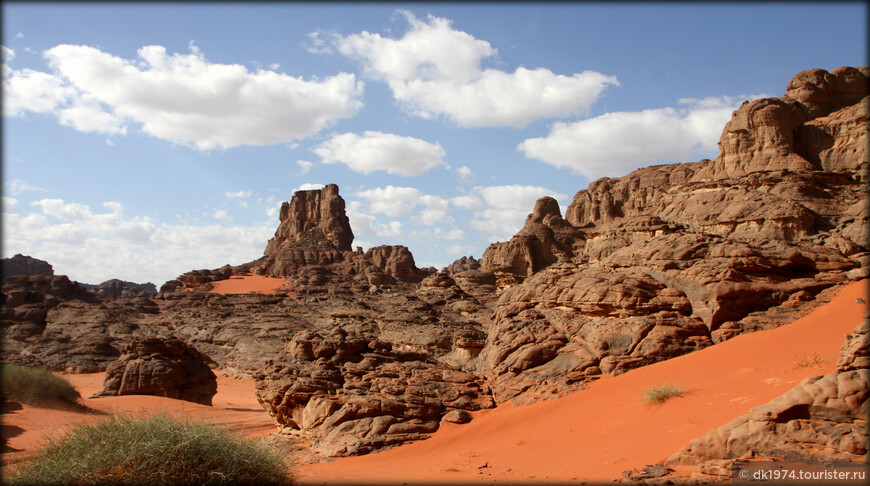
[314, 230]
[350, 394]
[163, 367]
[21, 265]
[674, 257]
[122, 289]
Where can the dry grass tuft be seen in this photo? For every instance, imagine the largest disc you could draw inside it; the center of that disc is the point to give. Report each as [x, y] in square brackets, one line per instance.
[156, 449]
[807, 361]
[656, 394]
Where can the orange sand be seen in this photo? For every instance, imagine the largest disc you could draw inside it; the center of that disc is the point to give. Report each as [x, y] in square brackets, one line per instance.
[244, 284]
[595, 434]
[235, 407]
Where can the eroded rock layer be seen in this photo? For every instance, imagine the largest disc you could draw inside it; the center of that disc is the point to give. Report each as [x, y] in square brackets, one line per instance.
[672, 258]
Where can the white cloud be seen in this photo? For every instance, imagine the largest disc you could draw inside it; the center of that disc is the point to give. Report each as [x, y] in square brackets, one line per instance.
[308, 186]
[28, 90]
[181, 98]
[9, 203]
[616, 143]
[93, 246]
[374, 151]
[304, 166]
[6, 55]
[465, 174]
[17, 186]
[435, 210]
[364, 224]
[399, 202]
[392, 201]
[238, 194]
[61, 210]
[221, 215]
[467, 201]
[435, 70]
[504, 208]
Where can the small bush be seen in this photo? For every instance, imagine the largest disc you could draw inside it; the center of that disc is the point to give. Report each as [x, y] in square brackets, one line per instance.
[33, 386]
[661, 393]
[152, 450]
[814, 361]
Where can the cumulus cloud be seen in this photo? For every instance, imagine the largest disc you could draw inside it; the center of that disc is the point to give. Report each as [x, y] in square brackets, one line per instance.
[304, 166]
[182, 98]
[615, 143]
[94, 245]
[392, 201]
[435, 70]
[501, 210]
[396, 202]
[374, 151]
[365, 224]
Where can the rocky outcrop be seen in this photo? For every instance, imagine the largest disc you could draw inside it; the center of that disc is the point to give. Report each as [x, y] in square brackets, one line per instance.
[27, 300]
[544, 239]
[349, 394]
[122, 289]
[21, 265]
[163, 367]
[824, 418]
[797, 132]
[313, 230]
[675, 257]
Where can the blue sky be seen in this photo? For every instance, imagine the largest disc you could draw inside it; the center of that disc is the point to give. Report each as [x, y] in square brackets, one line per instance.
[145, 140]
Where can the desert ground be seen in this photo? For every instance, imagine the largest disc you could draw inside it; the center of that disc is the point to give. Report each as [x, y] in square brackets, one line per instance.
[591, 435]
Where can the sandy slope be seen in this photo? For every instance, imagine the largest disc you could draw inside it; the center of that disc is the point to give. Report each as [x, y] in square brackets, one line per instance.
[243, 284]
[592, 435]
[595, 434]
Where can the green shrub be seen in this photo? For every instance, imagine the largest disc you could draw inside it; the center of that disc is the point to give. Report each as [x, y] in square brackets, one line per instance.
[661, 393]
[152, 450]
[34, 385]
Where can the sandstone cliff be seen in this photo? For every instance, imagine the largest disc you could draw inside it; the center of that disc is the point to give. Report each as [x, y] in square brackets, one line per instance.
[675, 257]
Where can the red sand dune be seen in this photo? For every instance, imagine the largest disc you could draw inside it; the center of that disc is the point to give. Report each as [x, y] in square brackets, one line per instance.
[243, 284]
[595, 434]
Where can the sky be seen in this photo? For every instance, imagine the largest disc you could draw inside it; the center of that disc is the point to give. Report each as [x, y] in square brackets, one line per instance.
[142, 141]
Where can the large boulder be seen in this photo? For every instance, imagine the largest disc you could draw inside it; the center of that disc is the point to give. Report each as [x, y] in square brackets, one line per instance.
[163, 367]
